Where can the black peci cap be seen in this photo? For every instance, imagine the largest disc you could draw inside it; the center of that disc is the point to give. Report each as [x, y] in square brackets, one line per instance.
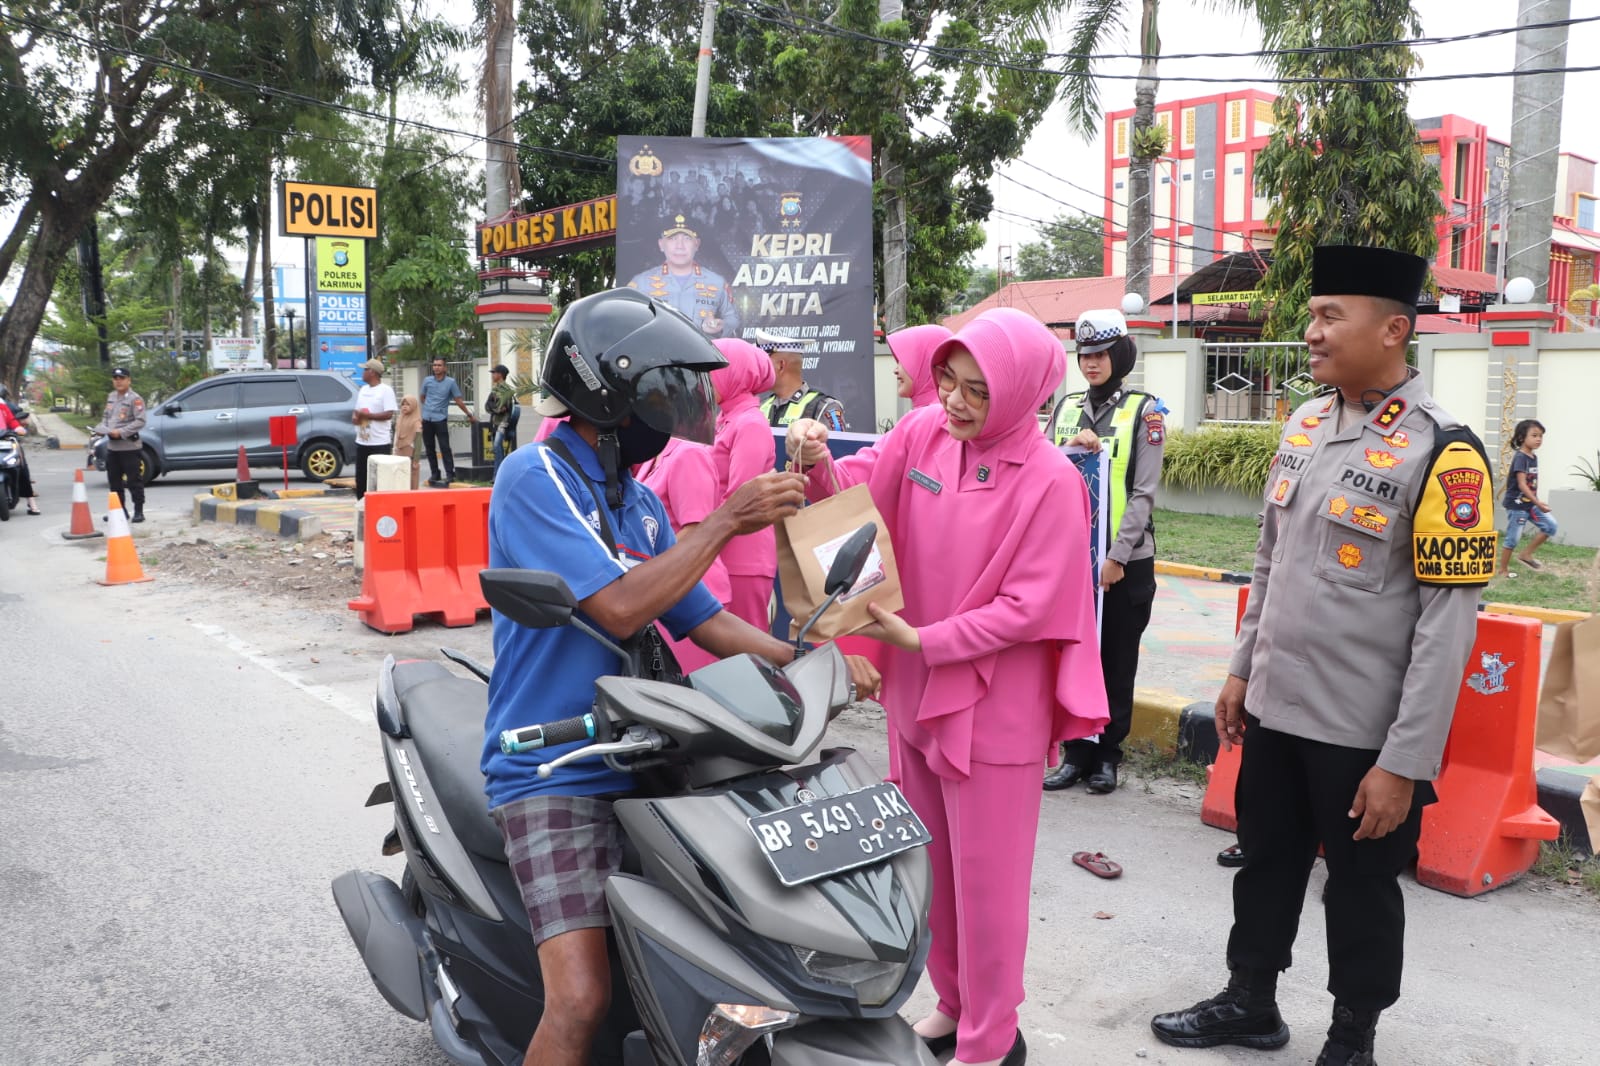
[1357, 270]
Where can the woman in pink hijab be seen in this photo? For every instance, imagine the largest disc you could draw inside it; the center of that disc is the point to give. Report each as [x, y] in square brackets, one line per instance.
[994, 658]
[744, 449]
[913, 367]
[685, 478]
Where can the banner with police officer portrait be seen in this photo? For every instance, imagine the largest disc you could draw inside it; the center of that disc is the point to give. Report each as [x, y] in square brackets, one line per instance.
[772, 234]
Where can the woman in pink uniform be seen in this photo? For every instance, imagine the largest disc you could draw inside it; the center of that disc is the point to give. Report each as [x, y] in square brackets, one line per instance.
[994, 658]
[913, 362]
[744, 449]
[685, 479]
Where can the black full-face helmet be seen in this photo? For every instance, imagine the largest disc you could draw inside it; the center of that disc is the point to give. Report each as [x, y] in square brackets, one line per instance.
[619, 353]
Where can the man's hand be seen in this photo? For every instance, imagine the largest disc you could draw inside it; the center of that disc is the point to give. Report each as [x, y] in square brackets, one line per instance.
[1087, 438]
[807, 441]
[763, 500]
[1230, 713]
[1110, 573]
[891, 629]
[1383, 801]
[114, 433]
[711, 325]
[864, 677]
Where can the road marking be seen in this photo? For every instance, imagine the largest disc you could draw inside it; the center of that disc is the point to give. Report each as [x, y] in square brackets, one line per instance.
[250, 653]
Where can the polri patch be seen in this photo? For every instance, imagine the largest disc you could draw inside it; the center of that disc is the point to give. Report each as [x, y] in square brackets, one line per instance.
[925, 481]
[1155, 428]
[1375, 485]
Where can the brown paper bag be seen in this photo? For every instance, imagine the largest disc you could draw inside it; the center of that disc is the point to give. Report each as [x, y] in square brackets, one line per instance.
[1569, 701]
[1591, 812]
[807, 543]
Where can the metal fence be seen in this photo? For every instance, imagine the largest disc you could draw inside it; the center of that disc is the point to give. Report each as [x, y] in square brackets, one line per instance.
[1256, 382]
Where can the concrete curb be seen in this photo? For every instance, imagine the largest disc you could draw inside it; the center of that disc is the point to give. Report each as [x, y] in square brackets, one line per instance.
[263, 514]
[1549, 615]
[1202, 573]
[1559, 787]
[1157, 716]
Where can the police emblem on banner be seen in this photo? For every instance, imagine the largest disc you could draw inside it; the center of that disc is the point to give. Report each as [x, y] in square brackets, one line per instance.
[645, 164]
[789, 211]
[341, 253]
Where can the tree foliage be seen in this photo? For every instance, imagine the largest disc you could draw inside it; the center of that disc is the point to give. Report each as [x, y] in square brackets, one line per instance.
[1073, 247]
[1343, 165]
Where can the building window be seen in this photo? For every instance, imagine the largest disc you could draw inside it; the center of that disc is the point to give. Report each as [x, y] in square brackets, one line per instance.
[1586, 212]
[1188, 127]
[1120, 185]
[1208, 174]
[1121, 138]
[1455, 249]
[1235, 120]
[1463, 168]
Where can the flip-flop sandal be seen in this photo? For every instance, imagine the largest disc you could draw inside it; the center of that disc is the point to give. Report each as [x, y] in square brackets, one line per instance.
[1097, 864]
[1231, 856]
[1531, 564]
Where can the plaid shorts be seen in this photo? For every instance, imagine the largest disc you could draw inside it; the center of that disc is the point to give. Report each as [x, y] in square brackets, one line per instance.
[561, 850]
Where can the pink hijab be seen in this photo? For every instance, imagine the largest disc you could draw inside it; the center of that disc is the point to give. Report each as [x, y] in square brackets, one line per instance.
[913, 349]
[748, 374]
[1023, 363]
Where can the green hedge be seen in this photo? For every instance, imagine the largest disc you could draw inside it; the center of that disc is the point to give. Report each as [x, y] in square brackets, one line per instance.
[1234, 458]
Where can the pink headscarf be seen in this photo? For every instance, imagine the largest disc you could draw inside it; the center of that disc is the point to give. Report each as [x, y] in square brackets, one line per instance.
[913, 350]
[748, 374]
[1023, 363]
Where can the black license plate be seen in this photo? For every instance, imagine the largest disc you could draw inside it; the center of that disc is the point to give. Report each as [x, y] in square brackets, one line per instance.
[832, 834]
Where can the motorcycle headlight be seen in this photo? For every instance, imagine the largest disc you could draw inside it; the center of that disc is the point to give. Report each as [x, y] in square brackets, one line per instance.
[874, 982]
[731, 1028]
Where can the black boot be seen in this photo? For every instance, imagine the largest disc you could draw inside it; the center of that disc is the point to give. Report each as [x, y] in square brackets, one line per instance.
[1350, 1038]
[1073, 768]
[1104, 778]
[1245, 1013]
[138, 512]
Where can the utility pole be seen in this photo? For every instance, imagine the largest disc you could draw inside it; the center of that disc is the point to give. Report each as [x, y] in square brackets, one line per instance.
[1536, 142]
[702, 72]
[892, 170]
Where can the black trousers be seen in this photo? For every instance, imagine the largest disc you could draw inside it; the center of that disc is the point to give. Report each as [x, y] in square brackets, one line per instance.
[1124, 616]
[362, 451]
[1294, 794]
[438, 434]
[122, 477]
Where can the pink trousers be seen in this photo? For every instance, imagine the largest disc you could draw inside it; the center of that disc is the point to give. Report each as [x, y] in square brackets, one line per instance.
[983, 829]
[752, 599]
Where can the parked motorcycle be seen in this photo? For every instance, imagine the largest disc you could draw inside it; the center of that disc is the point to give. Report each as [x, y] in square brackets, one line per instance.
[11, 460]
[772, 911]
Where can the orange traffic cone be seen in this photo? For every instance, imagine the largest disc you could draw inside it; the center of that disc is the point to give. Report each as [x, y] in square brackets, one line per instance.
[82, 526]
[246, 488]
[122, 560]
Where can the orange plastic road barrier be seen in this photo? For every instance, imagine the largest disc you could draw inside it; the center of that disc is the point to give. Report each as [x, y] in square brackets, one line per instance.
[1485, 829]
[1223, 775]
[82, 526]
[423, 553]
[122, 559]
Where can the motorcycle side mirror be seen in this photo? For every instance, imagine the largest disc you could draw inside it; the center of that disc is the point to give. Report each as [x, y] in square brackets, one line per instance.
[537, 599]
[842, 574]
[852, 557]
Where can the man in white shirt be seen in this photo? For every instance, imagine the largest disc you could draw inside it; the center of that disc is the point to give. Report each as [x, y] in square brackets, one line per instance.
[374, 420]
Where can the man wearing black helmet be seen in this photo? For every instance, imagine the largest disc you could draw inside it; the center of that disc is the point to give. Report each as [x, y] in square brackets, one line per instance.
[628, 375]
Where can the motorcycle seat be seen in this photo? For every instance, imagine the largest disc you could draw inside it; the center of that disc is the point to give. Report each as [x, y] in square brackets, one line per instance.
[445, 715]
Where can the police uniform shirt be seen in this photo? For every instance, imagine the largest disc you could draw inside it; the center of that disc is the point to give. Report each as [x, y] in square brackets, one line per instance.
[700, 295]
[1363, 603]
[829, 411]
[124, 412]
[542, 517]
[1131, 540]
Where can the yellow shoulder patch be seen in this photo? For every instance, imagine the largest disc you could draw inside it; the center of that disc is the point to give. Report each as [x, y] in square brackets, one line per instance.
[1453, 535]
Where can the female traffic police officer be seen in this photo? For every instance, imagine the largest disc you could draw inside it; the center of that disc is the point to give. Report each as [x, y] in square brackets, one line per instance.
[1379, 534]
[1131, 425]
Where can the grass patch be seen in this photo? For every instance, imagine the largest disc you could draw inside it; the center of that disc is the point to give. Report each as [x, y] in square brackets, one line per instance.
[78, 419]
[1560, 862]
[1230, 544]
[1149, 761]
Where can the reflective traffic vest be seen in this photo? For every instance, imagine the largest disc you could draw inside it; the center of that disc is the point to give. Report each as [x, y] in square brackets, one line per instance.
[807, 406]
[1120, 444]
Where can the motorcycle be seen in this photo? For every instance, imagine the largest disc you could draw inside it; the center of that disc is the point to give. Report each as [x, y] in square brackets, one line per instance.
[771, 911]
[11, 460]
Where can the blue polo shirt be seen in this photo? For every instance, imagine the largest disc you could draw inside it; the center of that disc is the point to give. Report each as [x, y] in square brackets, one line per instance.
[436, 397]
[542, 517]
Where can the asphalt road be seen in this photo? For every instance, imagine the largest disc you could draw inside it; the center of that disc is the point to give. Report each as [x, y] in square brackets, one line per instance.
[182, 770]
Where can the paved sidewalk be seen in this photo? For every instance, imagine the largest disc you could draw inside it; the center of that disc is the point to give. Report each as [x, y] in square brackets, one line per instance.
[53, 425]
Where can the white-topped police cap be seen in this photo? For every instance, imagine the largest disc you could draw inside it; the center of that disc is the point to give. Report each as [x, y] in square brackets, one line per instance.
[778, 342]
[1098, 330]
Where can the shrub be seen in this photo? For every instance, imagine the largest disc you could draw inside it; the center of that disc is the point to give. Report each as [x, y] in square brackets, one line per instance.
[1591, 474]
[1233, 458]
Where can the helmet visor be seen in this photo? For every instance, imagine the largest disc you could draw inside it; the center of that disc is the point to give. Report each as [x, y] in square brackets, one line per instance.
[677, 401]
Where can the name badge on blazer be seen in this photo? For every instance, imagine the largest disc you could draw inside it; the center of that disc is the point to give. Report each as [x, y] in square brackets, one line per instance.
[925, 481]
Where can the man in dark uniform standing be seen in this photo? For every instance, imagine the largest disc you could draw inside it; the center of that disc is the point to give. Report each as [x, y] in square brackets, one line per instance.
[1378, 536]
[121, 422]
[1131, 426]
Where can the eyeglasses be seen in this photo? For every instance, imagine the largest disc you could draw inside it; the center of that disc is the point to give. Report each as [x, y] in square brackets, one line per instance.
[975, 395]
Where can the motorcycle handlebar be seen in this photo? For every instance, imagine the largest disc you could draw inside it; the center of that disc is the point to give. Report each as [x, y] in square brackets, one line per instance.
[548, 734]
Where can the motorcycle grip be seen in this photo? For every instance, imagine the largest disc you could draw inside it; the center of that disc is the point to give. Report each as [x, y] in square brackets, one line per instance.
[547, 735]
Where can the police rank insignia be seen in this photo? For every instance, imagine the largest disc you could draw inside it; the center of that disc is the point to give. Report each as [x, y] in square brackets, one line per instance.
[1310, 422]
[1298, 440]
[1349, 556]
[1390, 413]
[1383, 460]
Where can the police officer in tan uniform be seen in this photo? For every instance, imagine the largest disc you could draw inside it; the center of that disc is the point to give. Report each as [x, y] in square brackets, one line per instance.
[121, 422]
[682, 283]
[1378, 536]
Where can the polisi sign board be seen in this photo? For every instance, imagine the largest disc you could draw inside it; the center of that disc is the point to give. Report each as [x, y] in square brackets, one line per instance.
[307, 210]
[339, 312]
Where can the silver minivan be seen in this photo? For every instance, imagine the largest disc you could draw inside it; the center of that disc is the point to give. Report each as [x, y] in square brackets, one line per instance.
[202, 427]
